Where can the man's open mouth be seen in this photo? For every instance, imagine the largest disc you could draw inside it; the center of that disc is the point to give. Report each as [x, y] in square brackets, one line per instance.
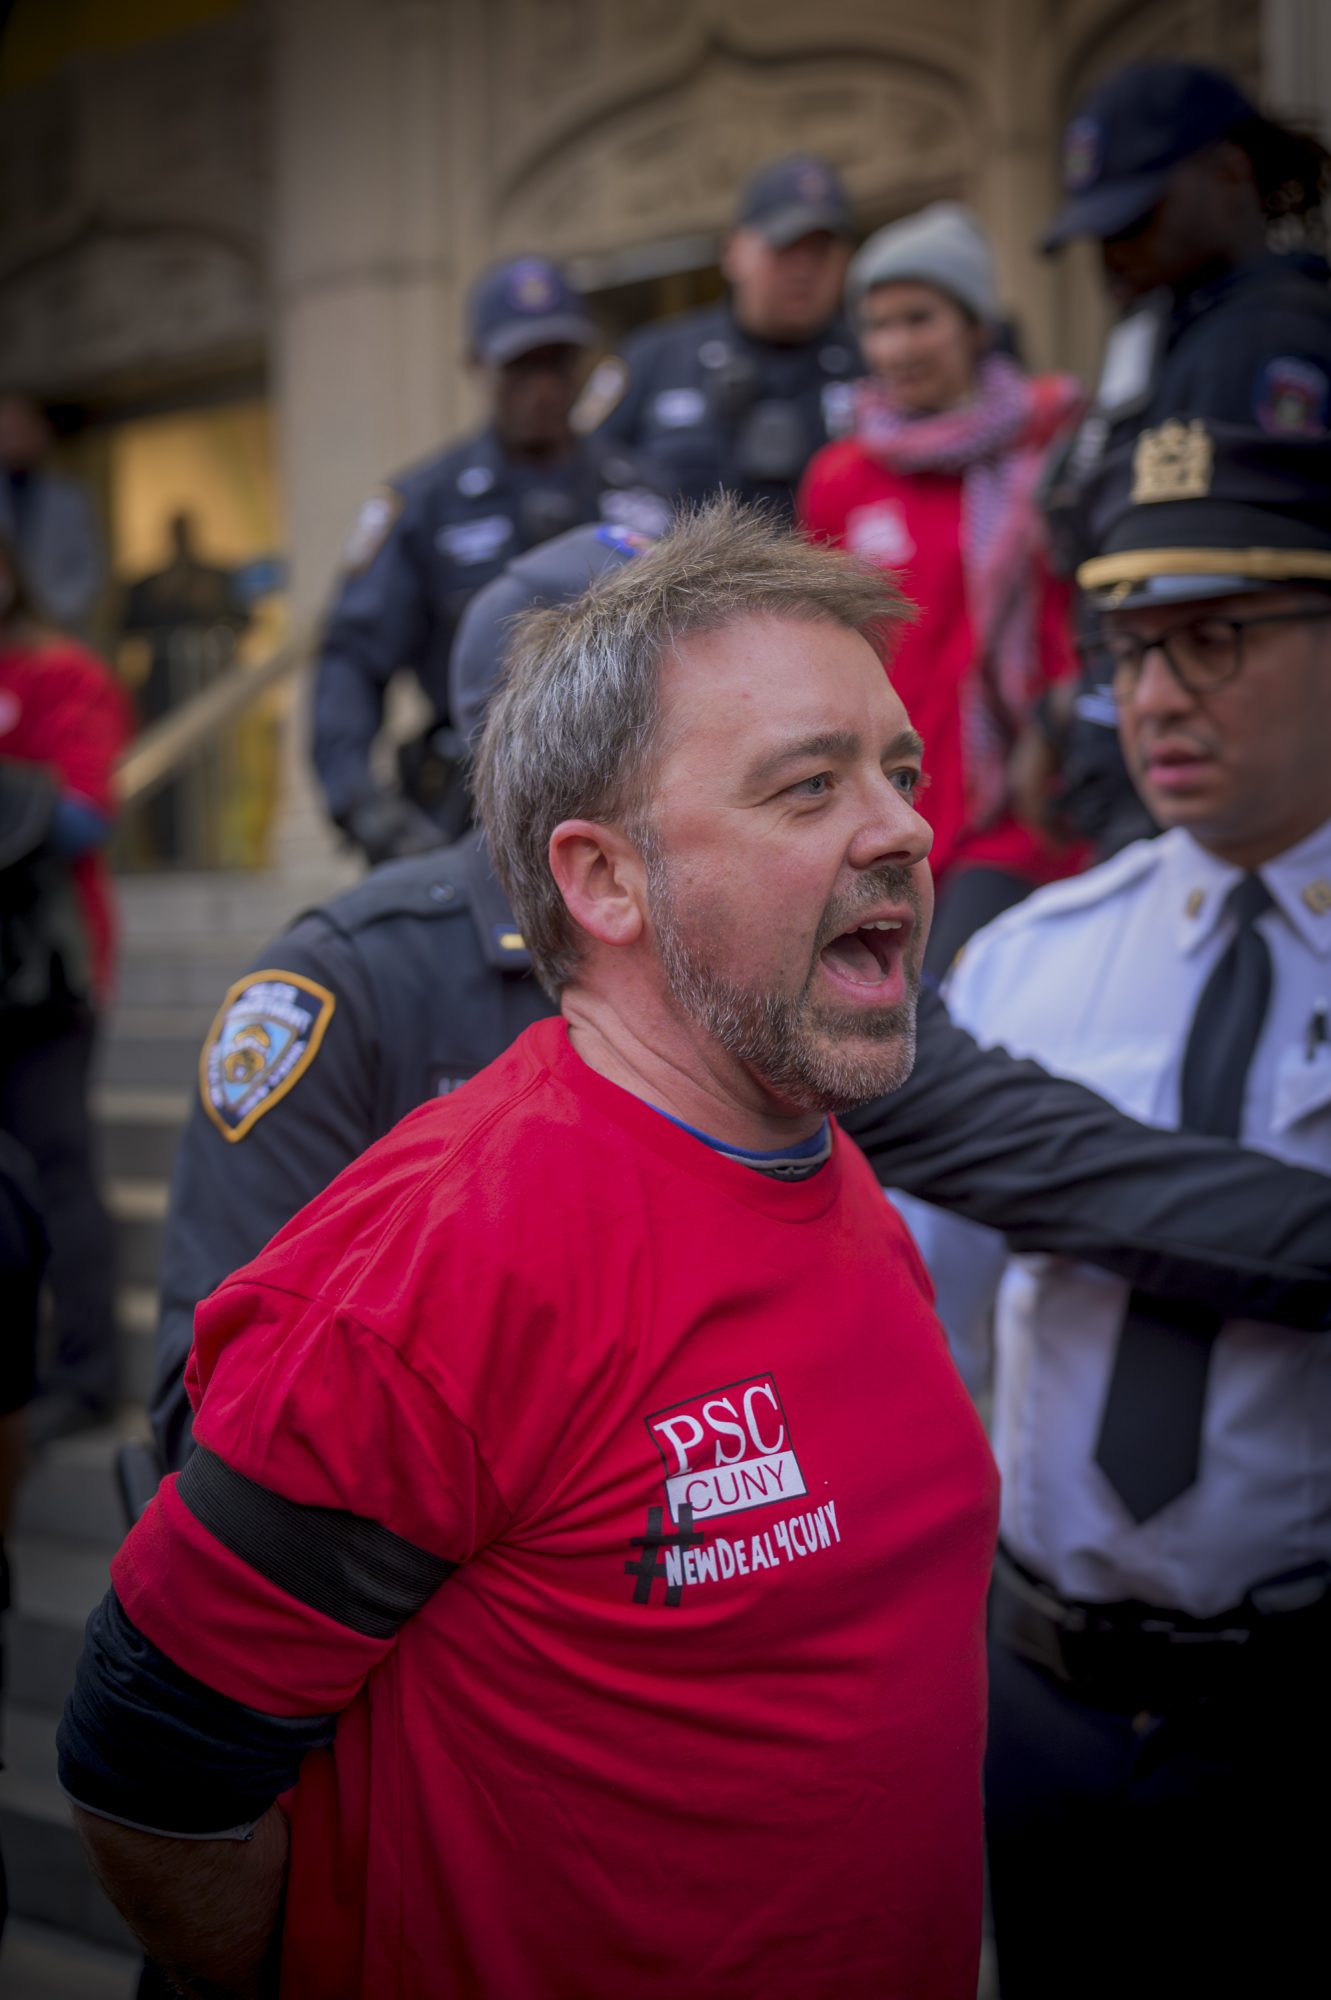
[870, 953]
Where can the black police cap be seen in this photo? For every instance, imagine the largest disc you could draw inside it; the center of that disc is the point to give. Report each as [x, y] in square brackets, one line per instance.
[1193, 509]
[549, 574]
[524, 304]
[793, 197]
[1130, 134]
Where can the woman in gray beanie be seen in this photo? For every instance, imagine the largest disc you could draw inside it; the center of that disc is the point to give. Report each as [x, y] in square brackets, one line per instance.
[937, 483]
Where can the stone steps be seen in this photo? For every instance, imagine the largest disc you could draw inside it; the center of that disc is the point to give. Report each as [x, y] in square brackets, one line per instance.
[185, 940]
[138, 1130]
[39, 1963]
[56, 1583]
[49, 1877]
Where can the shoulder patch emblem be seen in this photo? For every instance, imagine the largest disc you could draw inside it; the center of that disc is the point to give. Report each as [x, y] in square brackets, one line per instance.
[1292, 397]
[603, 391]
[266, 1035]
[370, 533]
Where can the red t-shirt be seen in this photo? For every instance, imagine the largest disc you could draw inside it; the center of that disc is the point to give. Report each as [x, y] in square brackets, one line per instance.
[702, 1711]
[911, 524]
[60, 706]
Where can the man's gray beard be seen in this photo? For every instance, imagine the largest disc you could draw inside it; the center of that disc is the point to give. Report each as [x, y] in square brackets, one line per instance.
[789, 1041]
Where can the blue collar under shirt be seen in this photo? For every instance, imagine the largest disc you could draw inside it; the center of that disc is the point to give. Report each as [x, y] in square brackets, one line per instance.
[787, 1163]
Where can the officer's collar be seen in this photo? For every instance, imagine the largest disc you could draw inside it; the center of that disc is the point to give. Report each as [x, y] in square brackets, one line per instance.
[502, 944]
[835, 329]
[1299, 881]
[1190, 302]
[486, 452]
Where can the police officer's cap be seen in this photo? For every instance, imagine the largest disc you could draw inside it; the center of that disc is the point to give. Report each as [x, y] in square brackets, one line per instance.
[793, 197]
[1130, 134]
[550, 574]
[523, 304]
[1192, 509]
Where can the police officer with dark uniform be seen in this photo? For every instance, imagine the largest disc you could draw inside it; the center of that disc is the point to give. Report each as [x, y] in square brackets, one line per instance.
[1183, 183]
[742, 393]
[408, 984]
[429, 539]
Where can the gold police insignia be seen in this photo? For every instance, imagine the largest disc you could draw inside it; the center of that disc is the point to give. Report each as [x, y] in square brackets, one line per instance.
[1172, 462]
[1317, 895]
[266, 1035]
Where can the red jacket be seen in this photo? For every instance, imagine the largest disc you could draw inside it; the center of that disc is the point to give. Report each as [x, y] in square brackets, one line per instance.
[910, 523]
[61, 706]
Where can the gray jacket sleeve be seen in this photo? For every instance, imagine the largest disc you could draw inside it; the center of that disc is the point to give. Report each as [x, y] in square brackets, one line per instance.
[1056, 1168]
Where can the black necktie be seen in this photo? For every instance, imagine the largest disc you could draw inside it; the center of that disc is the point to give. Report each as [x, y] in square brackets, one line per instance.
[1151, 1429]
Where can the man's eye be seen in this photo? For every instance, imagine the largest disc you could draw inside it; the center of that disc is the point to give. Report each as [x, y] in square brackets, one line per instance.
[816, 787]
[1209, 637]
[908, 782]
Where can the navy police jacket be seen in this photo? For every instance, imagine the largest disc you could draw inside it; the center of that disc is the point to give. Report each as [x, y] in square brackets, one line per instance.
[710, 405]
[407, 984]
[421, 547]
[1252, 347]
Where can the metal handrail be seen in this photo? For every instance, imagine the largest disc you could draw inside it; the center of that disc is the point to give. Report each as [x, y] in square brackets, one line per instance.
[164, 748]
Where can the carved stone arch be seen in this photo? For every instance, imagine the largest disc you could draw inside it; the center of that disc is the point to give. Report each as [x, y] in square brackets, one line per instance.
[114, 295]
[667, 164]
[1098, 36]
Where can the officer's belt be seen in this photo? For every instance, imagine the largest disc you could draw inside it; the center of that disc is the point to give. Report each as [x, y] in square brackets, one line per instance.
[1137, 1657]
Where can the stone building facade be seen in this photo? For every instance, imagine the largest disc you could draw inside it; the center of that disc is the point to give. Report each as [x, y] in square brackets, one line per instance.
[285, 200]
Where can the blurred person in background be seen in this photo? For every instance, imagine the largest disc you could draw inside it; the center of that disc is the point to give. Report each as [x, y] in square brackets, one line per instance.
[63, 722]
[938, 484]
[189, 616]
[49, 518]
[22, 1261]
[742, 393]
[1209, 222]
[429, 539]
[1160, 1634]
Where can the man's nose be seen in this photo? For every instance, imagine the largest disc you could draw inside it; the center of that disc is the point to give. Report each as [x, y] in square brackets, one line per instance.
[891, 830]
[1159, 692]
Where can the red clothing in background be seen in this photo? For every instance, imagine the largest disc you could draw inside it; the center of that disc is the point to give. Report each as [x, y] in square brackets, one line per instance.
[911, 524]
[701, 1713]
[61, 707]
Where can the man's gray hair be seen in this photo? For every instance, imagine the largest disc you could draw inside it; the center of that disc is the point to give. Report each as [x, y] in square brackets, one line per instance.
[573, 729]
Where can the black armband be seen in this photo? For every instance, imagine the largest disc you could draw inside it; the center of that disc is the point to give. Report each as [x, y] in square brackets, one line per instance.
[145, 1743]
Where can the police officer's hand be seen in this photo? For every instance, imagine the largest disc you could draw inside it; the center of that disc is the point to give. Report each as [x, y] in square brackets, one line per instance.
[387, 826]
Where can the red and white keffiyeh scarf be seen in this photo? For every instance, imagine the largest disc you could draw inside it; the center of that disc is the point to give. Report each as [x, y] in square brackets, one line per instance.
[996, 444]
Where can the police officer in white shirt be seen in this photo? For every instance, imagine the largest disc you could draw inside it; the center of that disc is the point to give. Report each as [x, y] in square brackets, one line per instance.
[1159, 1770]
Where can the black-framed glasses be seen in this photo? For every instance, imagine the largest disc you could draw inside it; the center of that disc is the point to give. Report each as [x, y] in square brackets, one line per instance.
[1201, 653]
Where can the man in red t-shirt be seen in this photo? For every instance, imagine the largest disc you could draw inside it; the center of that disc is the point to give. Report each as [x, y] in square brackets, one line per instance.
[577, 1588]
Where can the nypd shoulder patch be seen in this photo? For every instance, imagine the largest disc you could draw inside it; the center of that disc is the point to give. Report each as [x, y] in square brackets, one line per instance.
[266, 1035]
[1292, 398]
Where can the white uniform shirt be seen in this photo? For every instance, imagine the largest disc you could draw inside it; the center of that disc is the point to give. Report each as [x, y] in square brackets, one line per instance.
[1098, 979]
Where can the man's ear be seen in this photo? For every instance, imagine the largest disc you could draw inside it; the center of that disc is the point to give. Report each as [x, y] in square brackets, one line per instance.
[600, 874]
[735, 257]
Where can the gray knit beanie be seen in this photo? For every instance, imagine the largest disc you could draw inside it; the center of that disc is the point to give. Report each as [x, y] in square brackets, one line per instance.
[944, 246]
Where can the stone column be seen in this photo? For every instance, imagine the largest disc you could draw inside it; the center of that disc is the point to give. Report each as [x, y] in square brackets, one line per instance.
[1018, 188]
[1296, 62]
[367, 341]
